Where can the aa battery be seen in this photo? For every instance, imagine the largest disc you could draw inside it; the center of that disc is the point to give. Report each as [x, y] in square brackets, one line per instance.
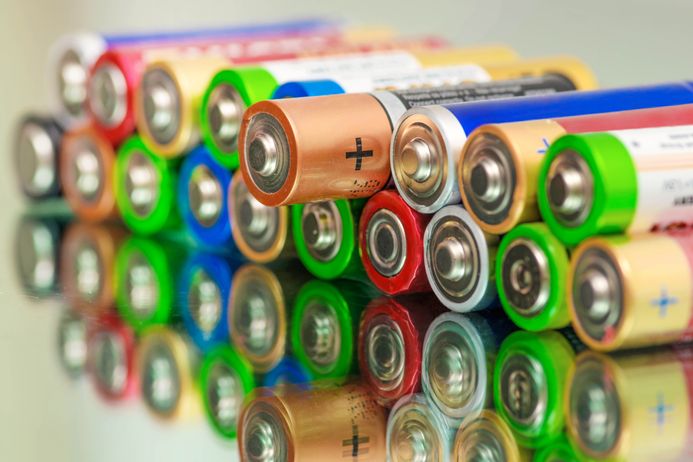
[417, 431]
[391, 236]
[71, 343]
[626, 292]
[202, 191]
[632, 407]
[500, 163]
[87, 164]
[531, 266]
[147, 275]
[390, 345]
[36, 155]
[460, 260]
[579, 197]
[313, 425]
[428, 141]
[285, 157]
[226, 378]
[261, 233]
[326, 237]
[145, 189]
[487, 437]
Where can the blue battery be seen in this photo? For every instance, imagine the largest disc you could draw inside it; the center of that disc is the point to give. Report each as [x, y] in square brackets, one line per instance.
[203, 187]
[287, 372]
[205, 287]
[301, 88]
[444, 129]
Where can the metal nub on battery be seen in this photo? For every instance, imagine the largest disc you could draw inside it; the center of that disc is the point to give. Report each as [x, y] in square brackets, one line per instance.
[321, 223]
[224, 112]
[487, 438]
[384, 350]
[72, 83]
[36, 156]
[206, 196]
[72, 343]
[266, 153]
[386, 242]
[141, 184]
[570, 188]
[459, 260]
[110, 361]
[36, 245]
[160, 105]
[417, 432]
[108, 94]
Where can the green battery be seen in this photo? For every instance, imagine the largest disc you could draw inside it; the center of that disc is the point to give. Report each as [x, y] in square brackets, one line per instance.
[614, 182]
[531, 272]
[529, 384]
[325, 326]
[226, 378]
[559, 450]
[326, 238]
[146, 274]
[145, 189]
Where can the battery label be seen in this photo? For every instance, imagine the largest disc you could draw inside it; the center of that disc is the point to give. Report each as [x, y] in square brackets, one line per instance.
[530, 86]
[664, 162]
[371, 64]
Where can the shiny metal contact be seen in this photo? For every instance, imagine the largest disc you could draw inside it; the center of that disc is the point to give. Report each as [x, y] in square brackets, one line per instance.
[526, 277]
[258, 224]
[72, 343]
[109, 362]
[523, 390]
[141, 286]
[267, 153]
[206, 196]
[415, 433]
[161, 385]
[204, 301]
[36, 249]
[72, 83]
[570, 188]
[385, 352]
[86, 169]
[160, 100]
[225, 109]
[36, 159]
[108, 95]
[264, 438]
[321, 335]
[322, 225]
[386, 243]
[142, 183]
[225, 395]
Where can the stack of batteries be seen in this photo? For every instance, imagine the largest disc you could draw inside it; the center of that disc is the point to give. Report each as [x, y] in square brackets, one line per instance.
[458, 178]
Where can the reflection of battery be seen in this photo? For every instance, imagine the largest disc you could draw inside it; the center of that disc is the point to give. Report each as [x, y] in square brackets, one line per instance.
[460, 260]
[326, 237]
[36, 156]
[487, 434]
[390, 345]
[634, 407]
[71, 342]
[630, 292]
[529, 384]
[559, 450]
[286, 157]
[202, 191]
[417, 431]
[530, 275]
[500, 163]
[167, 367]
[313, 426]
[145, 189]
[391, 244]
[226, 378]
[325, 326]
[261, 233]
[578, 197]
[87, 164]
[428, 141]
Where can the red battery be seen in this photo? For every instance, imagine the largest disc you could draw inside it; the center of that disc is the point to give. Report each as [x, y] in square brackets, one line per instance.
[391, 244]
[390, 344]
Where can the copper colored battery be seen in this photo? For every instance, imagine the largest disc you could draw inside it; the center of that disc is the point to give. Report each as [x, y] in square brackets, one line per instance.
[322, 424]
[87, 166]
[391, 243]
[87, 258]
[390, 345]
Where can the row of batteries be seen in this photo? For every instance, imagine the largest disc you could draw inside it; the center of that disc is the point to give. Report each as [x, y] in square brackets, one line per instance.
[194, 332]
[425, 168]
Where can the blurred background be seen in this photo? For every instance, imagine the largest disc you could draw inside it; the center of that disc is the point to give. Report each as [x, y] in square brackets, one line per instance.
[42, 414]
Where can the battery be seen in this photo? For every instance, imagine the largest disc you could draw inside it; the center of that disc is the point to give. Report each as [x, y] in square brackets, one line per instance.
[145, 189]
[111, 359]
[87, 164]
[529, 384]
[226, 378]
[326, 237]
[503, 160]
[72, 55]
[428, 141]
[261, 233]
[626, 292]
[487, 437]
[286, 159]
[71, 343]
[87, 264]
[531, 268]
[559, 450]
[634, 407]
[460, 260]
[205, 287]
[390, 344]
[391, 238]
[459, 353]
[167, 367]
[259, 311]
[324, 327]
[578, 198]
[202, 193]
[36, 155]
[231, 91]
[313, 426]
[417, 431]
[288, 372]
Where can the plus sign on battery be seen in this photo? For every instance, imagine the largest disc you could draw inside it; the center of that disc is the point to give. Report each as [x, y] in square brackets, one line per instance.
[359, 154]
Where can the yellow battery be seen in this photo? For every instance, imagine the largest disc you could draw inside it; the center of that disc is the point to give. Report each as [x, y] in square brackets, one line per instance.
[634, 407]
[569, 67]
[487, 437]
